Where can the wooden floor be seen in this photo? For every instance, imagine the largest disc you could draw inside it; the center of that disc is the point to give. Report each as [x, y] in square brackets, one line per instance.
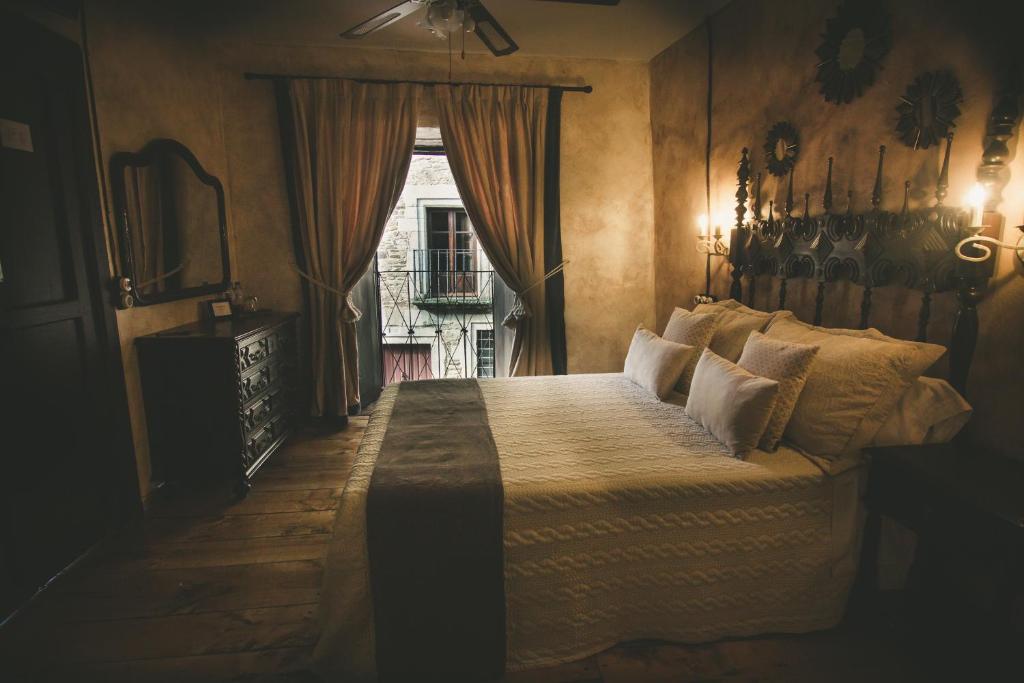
[212, 590]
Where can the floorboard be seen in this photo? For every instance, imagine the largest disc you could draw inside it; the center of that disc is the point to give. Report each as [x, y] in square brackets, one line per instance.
[208, 588]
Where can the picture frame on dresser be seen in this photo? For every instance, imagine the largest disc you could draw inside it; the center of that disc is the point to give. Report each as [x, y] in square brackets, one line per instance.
[220, 397]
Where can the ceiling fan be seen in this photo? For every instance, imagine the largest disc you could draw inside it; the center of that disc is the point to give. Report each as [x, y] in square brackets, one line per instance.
[445, 17]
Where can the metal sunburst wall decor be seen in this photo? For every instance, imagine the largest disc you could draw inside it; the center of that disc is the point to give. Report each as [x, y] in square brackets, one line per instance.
[853, 46]
[928, 109]
[781, 147]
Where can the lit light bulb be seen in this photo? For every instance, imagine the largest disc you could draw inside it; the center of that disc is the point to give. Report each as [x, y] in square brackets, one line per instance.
[702, 224]
[975, 198]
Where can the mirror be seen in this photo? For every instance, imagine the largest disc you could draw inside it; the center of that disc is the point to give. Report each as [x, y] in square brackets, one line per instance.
[853, 46]
[851, 49]
[172, 222]
[781, 147]
[928, 109]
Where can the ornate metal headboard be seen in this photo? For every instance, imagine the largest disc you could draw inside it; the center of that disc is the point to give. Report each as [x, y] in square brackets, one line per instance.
[912, 248]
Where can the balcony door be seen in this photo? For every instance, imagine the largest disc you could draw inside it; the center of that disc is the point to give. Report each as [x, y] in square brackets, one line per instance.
[451, 252]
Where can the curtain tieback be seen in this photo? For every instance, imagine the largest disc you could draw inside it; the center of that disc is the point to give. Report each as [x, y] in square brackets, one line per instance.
[519, 310]
[349, 312]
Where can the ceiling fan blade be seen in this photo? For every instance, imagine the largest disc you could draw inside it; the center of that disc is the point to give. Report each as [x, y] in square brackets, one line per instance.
[609, 3]
[489, 31]
[385, 18]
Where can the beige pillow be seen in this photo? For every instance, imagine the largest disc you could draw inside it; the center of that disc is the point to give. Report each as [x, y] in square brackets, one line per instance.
[655, 364]
[788, 363]
[930, 411]
[855, 382]
[735, 323]
[731, 403]
[692, 329]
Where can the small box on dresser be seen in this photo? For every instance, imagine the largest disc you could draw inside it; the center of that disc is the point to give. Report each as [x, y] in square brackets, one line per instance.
[220, 396]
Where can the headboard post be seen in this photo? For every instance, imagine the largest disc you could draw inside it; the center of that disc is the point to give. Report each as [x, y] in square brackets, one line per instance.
[965, 333]
[738, 241]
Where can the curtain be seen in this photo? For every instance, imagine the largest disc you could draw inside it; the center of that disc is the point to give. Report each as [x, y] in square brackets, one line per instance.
[348, 146]
[494, 137]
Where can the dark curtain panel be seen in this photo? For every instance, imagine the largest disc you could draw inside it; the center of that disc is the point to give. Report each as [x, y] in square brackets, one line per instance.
[555, 289]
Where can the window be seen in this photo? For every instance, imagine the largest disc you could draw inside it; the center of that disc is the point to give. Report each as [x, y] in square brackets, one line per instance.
[451, 252]
[406, 362]
[485, 352]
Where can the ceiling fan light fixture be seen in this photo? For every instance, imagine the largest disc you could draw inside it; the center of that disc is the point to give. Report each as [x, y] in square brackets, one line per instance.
[445, 16]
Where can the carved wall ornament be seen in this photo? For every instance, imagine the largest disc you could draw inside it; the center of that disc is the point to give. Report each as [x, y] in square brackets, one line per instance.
[853, 46]
[928, 109]
[781, 147]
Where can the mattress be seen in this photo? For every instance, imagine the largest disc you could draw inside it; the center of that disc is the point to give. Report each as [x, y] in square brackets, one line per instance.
[623, 520]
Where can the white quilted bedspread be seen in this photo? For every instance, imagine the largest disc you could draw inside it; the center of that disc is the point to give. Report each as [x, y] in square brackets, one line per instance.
[624, 520]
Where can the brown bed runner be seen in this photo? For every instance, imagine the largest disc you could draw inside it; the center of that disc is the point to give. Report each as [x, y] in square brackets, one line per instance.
[434, 536]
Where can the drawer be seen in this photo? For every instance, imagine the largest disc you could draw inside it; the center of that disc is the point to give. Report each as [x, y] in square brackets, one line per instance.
[253, 351]
[258, 381]
[260, 442]
[274, 403]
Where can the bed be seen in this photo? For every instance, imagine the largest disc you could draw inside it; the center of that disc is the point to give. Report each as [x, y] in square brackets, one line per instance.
[623, 519]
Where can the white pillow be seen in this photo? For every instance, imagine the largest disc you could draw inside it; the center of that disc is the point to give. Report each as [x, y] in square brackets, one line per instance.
[654, 363]
[692, 329]
[855, 382]
[789, 364]
[930, 411]
[735, 323]
[732, 404]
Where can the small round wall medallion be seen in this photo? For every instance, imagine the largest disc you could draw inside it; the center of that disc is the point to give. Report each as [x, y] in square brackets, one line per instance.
[853, 46]
[928, 109]
[781, 148]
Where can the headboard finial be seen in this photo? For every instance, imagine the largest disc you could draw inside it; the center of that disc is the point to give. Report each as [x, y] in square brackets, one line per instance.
[876, 193]
[942, 186]
[828, 188]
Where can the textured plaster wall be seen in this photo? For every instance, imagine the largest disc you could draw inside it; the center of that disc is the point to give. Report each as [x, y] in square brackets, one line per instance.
[607, 200]
[158, 71]
[763, 72]
[151, 78]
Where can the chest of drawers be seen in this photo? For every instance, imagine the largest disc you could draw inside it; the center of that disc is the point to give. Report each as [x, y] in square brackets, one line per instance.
[220, 396]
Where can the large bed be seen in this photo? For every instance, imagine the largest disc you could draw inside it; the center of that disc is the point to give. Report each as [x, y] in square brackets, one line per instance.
[618, 517]
[623, 519]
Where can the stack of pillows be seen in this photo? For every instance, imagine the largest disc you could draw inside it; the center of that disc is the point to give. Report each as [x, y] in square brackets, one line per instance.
[752, 378]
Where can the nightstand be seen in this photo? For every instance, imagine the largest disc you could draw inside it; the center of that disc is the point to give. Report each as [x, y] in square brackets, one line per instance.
[963, 504]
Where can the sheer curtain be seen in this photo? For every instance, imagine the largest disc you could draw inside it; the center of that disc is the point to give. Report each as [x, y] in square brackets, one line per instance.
[494, 137]
[348, 146]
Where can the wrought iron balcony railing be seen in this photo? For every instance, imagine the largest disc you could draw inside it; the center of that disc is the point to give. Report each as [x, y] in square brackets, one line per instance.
[451, 277]
[437, 319]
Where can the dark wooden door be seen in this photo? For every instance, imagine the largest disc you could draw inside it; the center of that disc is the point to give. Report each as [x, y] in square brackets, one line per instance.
[63, 464]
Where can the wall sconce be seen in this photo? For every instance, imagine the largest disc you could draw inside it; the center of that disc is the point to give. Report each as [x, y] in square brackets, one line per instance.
[975, 200]
[710, 245]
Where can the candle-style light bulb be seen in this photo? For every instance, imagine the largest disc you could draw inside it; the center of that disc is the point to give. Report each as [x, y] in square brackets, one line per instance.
[702, 224]
[975, 199]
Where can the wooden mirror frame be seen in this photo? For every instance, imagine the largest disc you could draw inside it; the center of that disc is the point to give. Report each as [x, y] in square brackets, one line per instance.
[127, 283]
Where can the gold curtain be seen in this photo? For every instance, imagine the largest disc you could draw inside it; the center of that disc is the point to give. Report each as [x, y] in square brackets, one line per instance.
[494, 138]
[350, 152]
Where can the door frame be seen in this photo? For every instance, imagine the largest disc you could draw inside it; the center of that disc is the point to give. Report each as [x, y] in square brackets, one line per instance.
[118, 468]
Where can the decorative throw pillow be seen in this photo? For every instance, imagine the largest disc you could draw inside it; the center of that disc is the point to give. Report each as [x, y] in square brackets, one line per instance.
[735, 323]
[731, 403]
[855, 382]
[788, 363]
[654, 363]
[692, 329]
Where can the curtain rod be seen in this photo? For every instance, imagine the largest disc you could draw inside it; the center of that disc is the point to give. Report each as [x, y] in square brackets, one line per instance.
[249, 76]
